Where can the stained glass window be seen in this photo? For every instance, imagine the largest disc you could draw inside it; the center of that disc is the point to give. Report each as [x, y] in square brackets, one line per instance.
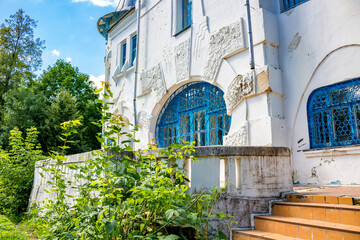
[196, 112]
[334, 116]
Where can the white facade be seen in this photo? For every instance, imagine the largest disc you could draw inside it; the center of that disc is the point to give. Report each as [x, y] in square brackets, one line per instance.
[297, 51]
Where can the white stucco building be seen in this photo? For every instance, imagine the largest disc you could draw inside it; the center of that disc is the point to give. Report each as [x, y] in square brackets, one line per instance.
[194, 79]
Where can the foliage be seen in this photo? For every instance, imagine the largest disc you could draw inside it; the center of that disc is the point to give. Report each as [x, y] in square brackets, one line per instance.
[60, 94]
[62, 76]
[20, 52]
[17, 170]
[63, 107]
[125, 194]
[24, 108]
[8, 231]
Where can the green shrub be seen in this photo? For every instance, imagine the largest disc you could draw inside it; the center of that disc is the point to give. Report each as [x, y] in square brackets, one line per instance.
[17, 172]
[8, 230]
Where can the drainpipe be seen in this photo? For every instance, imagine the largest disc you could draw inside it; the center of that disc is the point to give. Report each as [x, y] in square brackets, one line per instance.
[251, 46]
[137, 60]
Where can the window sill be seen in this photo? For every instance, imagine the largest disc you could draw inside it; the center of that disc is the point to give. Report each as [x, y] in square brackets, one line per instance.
[333, 152]
[182, 30]
[122, 74]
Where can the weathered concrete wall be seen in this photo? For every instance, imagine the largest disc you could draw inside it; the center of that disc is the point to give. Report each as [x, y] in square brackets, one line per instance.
[40, 185]
[249, 171]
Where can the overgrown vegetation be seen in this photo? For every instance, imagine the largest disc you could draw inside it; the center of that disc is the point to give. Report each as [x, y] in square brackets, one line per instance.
[126, 194]
[29, 101]
[17, 172]
[8, 230]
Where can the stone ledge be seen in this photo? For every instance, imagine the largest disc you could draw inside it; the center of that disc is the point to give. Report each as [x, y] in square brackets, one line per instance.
[332, 152]
[241, 151]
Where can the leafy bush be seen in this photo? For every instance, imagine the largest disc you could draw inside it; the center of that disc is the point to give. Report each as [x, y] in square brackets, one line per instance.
[8, 230]
[126, 194]
[17, 172]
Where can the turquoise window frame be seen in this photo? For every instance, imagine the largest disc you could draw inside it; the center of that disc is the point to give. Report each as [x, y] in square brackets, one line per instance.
[334, 115]
[196, 112]
[289, 4]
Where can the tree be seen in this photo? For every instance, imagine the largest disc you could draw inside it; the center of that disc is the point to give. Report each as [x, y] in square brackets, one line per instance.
[60, 94]
[23, 108]
[62, 76]
[20, 52]
[62, 109]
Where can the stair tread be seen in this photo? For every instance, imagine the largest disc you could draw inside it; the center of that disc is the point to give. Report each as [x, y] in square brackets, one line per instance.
[313, 223]
[265, 235]
[324, 205]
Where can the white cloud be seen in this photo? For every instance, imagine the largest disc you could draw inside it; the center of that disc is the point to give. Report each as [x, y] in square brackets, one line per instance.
[100, 3]
[92, 18]
[55, 52]
[97, 80]
[68, 59]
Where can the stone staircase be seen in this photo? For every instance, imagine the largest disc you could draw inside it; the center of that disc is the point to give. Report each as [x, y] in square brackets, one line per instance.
[307, 217]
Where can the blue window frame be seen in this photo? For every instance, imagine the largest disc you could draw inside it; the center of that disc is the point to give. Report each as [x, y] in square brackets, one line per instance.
[334, 115]
[288, 4]
[194, 112]
[123, 54]
[133, 49]
[186, 13]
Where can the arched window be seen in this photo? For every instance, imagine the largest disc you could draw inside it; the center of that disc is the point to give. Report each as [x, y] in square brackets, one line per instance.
[194, 112]
[334, 115]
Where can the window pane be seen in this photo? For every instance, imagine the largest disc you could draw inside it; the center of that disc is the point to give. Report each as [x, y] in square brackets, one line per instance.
[341, 124]
[185, 128]
[357, 120]
[186, 13]
[133, 49]
[321, 130]
[123, 58]
[199, 128]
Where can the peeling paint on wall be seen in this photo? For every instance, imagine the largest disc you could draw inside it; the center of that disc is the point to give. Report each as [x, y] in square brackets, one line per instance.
[337, 182]
[294, 43]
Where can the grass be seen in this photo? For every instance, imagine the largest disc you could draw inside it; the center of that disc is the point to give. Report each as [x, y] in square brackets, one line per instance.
[8, 230]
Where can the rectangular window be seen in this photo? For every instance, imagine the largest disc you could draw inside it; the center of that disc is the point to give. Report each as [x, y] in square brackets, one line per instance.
[288, 4]
[133, 49]
[123, 54]
[186, 13]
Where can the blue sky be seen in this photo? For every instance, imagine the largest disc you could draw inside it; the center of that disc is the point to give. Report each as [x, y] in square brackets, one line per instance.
[69, 29]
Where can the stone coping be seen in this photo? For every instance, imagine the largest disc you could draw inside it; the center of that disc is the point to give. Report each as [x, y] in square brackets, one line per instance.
[241, 151]
[208, 151]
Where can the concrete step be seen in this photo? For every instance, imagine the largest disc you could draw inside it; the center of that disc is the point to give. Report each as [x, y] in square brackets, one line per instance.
[306, 228]
[320, 199]
[254, 234]
[335, 213]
